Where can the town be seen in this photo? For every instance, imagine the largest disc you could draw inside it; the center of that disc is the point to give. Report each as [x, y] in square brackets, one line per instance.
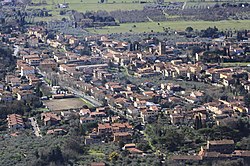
[69, 99]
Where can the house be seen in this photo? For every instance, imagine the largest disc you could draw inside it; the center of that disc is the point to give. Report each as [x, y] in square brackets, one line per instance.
[27, 70]
[50, 118]
[67, 114]
[84, 120]
[92, 138]
[1, 87]
[132, 149]
[216, 153]
[131, 110]
[176, 118]
[84, 112]
[15, 81]
[131, 87]
[104, 129]
[97, 114]
[34, 61]
[122, 136]
[98, 164]
[149, 114]
[48, 64]
[197, 94]
[57, 131]
[221, 146]
[15, 122]
[25, 95]
[33, 80]
[73, 41]
[121, 127]
[6, 97]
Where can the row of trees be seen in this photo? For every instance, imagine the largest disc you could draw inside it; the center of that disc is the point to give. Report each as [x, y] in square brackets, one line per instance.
[168, 138]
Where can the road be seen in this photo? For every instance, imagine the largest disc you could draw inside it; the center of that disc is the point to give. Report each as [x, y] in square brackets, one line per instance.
[35, 126]
[93, 101]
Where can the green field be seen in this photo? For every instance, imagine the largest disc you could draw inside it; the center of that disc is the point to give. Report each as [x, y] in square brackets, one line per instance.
[96, 153]
[83, 6]
[93, 5]
[176, 25]
[235, 64]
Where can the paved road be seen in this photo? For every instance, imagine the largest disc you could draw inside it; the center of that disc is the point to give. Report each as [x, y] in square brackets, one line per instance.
[93, 101]
[35, 126]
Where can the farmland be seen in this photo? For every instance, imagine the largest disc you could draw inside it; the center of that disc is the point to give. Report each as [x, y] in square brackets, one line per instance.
[174, 20]
[91, 5]
[177, 25]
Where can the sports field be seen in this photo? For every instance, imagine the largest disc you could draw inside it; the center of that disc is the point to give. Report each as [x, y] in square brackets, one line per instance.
[64, 104]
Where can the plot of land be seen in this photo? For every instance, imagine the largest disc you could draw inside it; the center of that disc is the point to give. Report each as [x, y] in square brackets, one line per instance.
[64, 104]
[234, 64]
[176, 25]
[94, 5]
[96, 153]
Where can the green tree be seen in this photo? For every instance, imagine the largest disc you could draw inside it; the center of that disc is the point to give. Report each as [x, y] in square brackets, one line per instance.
[189, 29]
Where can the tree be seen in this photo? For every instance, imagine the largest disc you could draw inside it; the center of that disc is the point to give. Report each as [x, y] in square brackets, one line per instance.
[197, 123]
[113, 156]
[247, 100]
[189, 29]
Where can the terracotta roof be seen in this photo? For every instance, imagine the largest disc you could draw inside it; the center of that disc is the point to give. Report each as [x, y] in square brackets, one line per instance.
[97, 164]
[186, 157]
[14, 119]
[221, 142]
[134, 150]
[122, 134]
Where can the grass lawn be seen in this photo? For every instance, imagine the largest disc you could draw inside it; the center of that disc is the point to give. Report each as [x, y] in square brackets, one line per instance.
[96, 153]
[177, 25]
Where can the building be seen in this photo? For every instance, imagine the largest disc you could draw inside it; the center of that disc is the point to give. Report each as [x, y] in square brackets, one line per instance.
[48, 64]
[27, 70]
[84, 120]
[122, 136]
[25, 95]
[50, 118]
[15, 122]
[221, 146]
[162, 48]
[149, 115]
[92, 138]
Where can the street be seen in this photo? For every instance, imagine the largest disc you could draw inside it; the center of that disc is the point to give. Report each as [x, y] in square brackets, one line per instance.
[78, 93]
[35, 126]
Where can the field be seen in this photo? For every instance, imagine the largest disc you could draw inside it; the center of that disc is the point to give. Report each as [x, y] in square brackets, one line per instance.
[235, 64]
[64, 104]
[91, 5]
[94, 5]
[176, 25]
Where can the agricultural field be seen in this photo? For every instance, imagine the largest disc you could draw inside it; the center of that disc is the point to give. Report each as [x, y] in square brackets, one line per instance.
[90, 5]
[175, 22]
[176, 25]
